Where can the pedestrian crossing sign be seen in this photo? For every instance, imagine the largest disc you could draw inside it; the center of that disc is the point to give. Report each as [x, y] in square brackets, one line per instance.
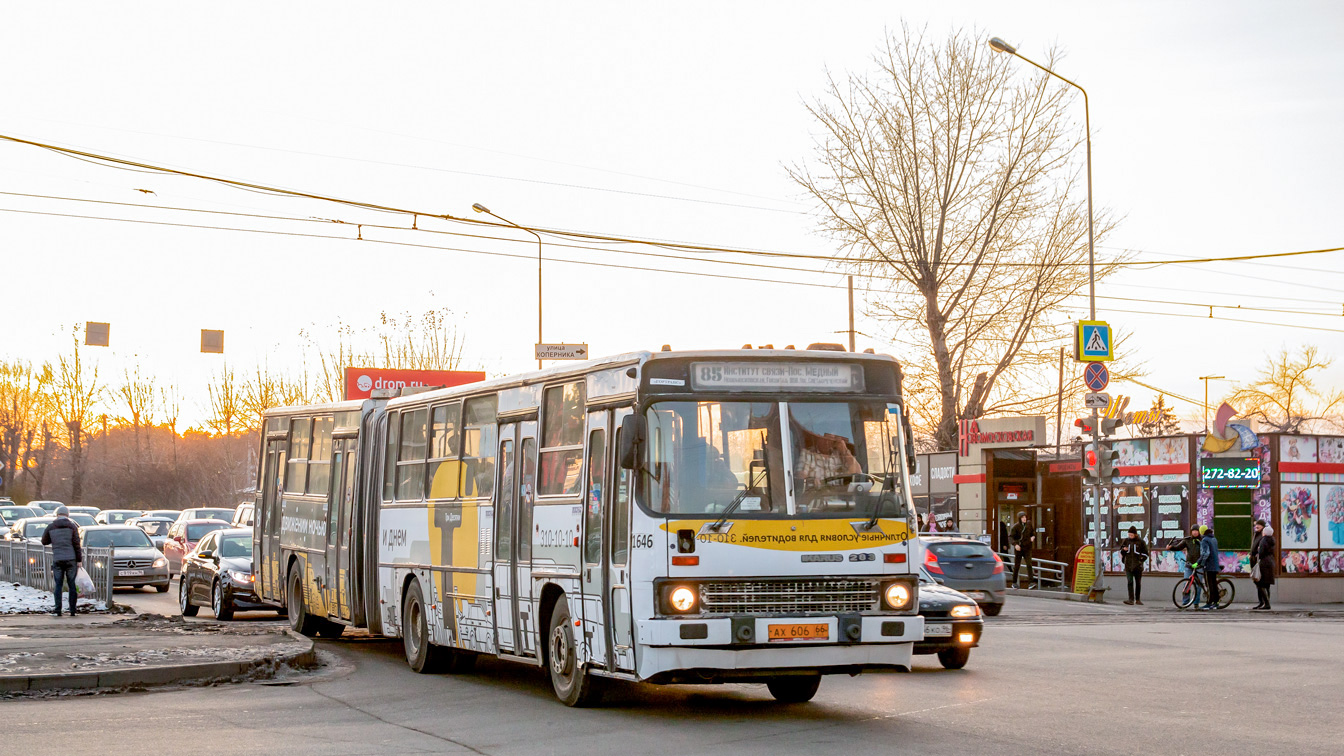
[1093, 342]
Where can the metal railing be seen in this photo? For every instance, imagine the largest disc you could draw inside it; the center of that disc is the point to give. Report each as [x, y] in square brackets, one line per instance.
[29, 564]
[1049, 575]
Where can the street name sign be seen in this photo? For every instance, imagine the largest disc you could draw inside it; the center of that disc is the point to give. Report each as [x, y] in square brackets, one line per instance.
[1096, 401]
[1096, 376]
[562, 351]
[1093, 341]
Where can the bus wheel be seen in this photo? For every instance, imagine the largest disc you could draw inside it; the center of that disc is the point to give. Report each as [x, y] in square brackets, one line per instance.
[331, 630]
[299, 618]
[572, 682]
[423, 656]
[799, 689]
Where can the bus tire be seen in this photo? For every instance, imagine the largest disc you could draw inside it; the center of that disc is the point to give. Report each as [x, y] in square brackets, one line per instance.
[421, 654]
[331, 630]
[573, 684]
[794, 689]
[299, 619]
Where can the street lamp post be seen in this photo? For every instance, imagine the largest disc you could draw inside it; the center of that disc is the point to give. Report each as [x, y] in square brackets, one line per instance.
[1206, 379]
[478, 207]
[998, 45]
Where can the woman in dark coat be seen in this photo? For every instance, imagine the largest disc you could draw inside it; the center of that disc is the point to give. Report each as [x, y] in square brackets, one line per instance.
[1263, 556]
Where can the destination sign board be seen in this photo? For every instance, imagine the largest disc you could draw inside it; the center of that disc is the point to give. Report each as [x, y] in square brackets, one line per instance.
[777, 376]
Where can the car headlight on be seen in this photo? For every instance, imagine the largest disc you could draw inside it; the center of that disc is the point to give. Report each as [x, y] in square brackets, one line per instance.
[897, 596]
[965, 611]
[241, 577]
[160, 562]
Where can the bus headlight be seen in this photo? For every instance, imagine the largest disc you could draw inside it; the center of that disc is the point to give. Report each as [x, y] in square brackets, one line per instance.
[965, 611]
[679, 598]
[897, 596]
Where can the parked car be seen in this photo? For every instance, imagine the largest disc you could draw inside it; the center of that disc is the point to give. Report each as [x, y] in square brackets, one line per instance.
[183, 537]
[952, 623]
[28, 529]
[155, 527]
[135, 561]
[206, 513]
[45, 505]
[218, 574]
[116, 516]
[171, 514]
[242, 516]
[90, 511]
[12, 512]
[967, 565]
[82, 519]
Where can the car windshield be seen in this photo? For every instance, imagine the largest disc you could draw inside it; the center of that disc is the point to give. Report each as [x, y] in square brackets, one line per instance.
[121, 538]
[155, 528]
[35, 529]
[82, 520]
[120, 516]
[236, 547]
[704, 457]
[215, 514]
[961, 550]
[197, 532]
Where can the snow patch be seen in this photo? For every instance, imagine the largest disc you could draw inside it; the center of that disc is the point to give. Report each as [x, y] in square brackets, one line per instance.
[16, 598]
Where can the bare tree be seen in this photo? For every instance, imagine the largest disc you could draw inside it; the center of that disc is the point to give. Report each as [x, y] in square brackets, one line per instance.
[136, 396]
[227, 411]
[25, 401]
[951, 180]
[75, 392]
[429, 341]
[1284, 395]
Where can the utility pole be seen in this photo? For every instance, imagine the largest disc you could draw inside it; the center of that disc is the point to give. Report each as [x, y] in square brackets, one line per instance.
[1059, 408]
[1206, 379]
[851, 315]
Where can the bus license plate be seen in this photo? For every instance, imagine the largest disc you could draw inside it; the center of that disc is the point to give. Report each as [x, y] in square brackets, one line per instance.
[938, 629]
[130, 573]
[799, 632]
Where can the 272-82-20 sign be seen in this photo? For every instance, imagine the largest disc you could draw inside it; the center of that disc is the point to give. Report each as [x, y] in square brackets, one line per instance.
[1229, 473]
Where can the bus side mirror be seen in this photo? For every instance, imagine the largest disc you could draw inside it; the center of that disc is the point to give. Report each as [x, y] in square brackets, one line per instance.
[633, 430]
[910, 462]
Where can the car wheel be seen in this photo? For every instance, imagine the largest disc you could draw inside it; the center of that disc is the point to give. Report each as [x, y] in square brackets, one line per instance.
[422, 655]
[794, 689]
[991, 609]
[161, 588]
[299, 619]
[184, 599]
[570, 679]
[221, 604]
[955, 658]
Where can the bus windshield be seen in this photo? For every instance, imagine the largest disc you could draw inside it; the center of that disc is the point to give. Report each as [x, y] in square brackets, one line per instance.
[707, 457]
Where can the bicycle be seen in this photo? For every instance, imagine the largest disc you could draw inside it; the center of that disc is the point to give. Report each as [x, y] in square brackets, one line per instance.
[1183, 595]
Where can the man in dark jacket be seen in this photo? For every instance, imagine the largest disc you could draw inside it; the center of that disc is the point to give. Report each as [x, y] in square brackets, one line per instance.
[1208, 562]
[62, 536]
[1134, 552]
[1190, 545]
[1023, 537]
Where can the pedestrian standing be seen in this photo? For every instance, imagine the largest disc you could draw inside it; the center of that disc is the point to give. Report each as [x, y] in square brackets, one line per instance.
[1190, 546]
[1263, 562]
[1208, 562]
[1023, 537]
[1134, 553]
[62, 536]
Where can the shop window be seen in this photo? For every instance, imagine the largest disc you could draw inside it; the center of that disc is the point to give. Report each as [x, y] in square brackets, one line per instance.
[562, 440]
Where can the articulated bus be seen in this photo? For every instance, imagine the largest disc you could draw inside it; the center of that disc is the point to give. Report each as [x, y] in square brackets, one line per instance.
[669, 517]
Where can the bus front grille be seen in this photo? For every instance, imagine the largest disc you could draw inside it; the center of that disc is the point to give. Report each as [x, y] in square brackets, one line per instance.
[789, 596]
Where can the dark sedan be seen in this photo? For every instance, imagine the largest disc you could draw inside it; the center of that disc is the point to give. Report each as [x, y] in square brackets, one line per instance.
[218, 573]
[952, 623]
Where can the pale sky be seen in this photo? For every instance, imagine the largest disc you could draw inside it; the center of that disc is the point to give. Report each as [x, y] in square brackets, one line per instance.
[1216, 130]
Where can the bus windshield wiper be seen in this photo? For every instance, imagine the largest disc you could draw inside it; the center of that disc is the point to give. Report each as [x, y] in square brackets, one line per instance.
[732, 507]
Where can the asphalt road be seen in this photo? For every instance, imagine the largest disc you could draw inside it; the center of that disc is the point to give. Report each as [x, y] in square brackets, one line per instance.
[1050, 678]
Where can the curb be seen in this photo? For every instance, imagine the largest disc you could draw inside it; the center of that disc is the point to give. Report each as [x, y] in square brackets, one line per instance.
[1057, 595]
[161, 675]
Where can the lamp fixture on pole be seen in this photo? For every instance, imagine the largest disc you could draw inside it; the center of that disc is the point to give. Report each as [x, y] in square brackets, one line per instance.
[478, 207]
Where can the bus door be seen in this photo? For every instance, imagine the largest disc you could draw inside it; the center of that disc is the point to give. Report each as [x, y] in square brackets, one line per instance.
[505, 609]
[529, 629]
[340, 507]
[596, 576]
[267, 553]
[617, 551]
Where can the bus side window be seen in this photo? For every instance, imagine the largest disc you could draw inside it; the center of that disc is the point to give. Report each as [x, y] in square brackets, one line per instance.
[620, 514]
[411, 457]
[319, 459]
[300, 441]
[390, 465]
[592, 525]
[504, 515]
[527, 497]
[478, 446]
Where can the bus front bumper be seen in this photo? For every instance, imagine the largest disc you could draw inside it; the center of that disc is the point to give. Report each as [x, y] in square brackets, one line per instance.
[729, 649]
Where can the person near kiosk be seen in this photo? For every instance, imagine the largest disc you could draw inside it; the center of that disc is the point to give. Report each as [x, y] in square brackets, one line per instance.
[1262, 562]
[1023, 538]
[1208, 562]
[1189, 545]
[1134, 552]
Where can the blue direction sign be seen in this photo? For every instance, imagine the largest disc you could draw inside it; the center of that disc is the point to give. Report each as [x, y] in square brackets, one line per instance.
[1096, 376]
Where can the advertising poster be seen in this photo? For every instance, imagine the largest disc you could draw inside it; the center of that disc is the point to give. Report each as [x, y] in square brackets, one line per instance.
[1132, 453]
[1131, 510]
[1170, 506]
[1298, 515]
[1332, 562]
[943, 513]
[1331, 452]
[1089, 523]
[1204, 508]
[1167, 561]
[1235, 561]
[1332, 516]
[1174, 450]
[1300, 562]
[1261, 508]
[1297, 449]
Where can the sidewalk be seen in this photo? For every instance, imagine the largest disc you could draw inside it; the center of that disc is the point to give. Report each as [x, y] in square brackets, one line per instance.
[1035, 605]
[41, 652]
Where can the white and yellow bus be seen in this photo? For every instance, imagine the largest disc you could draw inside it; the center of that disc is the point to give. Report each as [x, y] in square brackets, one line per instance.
[670, 517]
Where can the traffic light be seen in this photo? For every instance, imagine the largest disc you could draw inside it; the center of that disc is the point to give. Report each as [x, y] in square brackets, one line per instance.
[1083, 425]
[1106, 459]
[1109, 426]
